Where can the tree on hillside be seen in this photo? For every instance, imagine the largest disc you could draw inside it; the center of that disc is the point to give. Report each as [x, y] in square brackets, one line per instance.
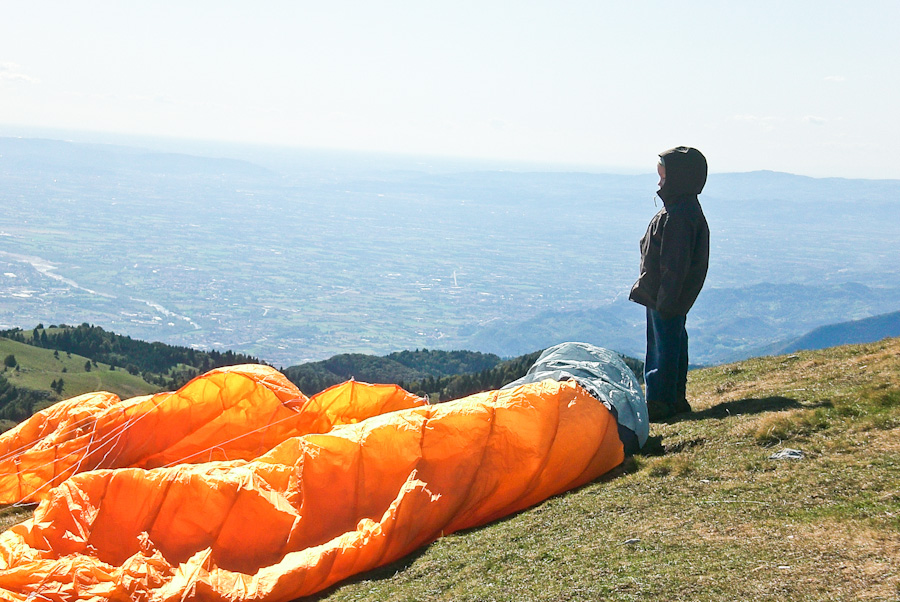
[10, 361]
[16, 404]
[8, 392]
[15, 334]
[87, 366]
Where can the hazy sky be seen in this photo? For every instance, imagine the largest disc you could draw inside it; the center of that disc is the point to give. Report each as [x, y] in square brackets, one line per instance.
[805, 87]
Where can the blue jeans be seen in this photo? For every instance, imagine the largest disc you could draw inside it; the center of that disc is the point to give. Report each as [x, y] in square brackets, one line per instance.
[666, 364]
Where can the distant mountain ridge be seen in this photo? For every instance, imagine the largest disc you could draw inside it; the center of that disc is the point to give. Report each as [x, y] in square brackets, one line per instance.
[865, 330]
[778, 185]
[35, 154]
[727, 324]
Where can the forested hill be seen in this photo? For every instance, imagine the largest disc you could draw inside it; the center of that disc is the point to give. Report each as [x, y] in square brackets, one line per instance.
[441, 375]
[159, 363]
[170, 367]
[65, 361]
[44, 365]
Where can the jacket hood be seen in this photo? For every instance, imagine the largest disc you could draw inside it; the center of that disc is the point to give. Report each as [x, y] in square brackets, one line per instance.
[685, 173]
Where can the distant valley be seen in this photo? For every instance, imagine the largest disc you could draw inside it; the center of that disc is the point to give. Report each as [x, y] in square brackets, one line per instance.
[294, 260]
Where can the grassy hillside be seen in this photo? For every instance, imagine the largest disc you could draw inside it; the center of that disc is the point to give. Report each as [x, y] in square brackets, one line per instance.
[59, 362]
[705, 512]
[38, 368]
[166, 365]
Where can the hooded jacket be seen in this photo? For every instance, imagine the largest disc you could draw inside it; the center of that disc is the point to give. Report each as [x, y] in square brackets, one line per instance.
[675, 249]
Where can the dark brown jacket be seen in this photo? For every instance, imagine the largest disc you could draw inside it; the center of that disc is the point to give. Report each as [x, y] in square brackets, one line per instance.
[675, 249]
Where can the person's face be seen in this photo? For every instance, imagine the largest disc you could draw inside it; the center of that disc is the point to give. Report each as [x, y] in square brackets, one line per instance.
[661, 170]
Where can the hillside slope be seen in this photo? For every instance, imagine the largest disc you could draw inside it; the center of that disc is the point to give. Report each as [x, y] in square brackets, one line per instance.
[42, 377]
[60, 361]
[865, 330]
[706, 512]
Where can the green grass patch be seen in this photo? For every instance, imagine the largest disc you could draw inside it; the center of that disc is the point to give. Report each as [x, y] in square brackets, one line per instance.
[784, 427]
[37, 368]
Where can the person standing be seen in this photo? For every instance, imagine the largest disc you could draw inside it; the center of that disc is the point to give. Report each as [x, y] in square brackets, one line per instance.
[674, 262]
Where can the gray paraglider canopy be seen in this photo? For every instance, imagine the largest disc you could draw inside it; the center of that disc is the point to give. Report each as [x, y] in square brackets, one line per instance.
[604, 374]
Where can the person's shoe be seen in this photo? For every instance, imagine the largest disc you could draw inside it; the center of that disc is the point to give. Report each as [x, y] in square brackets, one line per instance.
[658, 411]
[683, 407]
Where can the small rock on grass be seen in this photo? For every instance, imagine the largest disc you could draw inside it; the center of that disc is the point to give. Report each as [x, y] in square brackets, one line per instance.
[788, 454]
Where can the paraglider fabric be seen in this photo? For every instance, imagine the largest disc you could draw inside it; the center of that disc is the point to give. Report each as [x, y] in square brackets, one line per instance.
[303, 494]
[237, 412]
[606, 376]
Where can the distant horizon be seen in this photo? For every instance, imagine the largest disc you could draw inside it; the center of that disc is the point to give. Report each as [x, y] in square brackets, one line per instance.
[206, 146]
[213, 149]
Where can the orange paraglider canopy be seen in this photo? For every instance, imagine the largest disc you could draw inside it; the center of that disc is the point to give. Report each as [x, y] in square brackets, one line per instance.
[238, 412]
[239, 487]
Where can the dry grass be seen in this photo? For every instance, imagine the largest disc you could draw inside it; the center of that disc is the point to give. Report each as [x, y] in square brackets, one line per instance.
[704, 513]
[707, 514]
[13, 515]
